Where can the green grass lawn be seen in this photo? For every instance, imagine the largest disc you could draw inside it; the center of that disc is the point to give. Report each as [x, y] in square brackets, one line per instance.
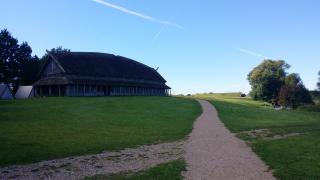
[167, 171]
[48, 128]
[295, 157]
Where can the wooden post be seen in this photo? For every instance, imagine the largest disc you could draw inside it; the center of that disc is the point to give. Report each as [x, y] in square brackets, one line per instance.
[50, 91]
[35, 91]
[78, 90]
[59, 90]
[67, 90]
[84, 90]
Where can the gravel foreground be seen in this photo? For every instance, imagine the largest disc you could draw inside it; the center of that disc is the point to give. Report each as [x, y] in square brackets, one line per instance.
[128, 160]
[212, 152]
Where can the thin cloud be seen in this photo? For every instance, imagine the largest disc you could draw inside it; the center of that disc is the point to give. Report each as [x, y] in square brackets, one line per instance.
[252, 53]
[158, 33]
[134, 13]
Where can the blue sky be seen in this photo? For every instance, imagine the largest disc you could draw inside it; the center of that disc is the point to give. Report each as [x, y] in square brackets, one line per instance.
[199, 45]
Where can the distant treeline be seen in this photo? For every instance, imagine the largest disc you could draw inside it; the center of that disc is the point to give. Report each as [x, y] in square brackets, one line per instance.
[17, 64]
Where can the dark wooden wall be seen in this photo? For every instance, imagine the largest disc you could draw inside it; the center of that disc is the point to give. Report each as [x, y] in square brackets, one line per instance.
[98, 90]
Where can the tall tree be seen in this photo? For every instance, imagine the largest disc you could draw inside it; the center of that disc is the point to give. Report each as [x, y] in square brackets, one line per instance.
[318, 84]
[8, 49]
[16, 61]
[266, 79]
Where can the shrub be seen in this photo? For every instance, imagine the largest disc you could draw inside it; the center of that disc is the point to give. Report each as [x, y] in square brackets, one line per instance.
[294, 96]
[312, 108]
[293, 93]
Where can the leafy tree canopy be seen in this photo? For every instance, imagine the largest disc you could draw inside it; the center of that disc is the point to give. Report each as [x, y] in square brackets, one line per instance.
[293, 80]
[267, 78]
[58, 49]
[17, 65]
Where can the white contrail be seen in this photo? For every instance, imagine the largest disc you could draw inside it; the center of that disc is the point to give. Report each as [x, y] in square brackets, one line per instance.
[125, 10]
[252, 53]
[158, 33]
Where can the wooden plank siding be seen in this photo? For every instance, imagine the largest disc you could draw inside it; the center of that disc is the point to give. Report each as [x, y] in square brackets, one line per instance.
[97, 90]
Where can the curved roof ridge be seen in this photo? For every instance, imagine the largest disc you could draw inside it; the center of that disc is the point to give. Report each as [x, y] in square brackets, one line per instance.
[105, 65]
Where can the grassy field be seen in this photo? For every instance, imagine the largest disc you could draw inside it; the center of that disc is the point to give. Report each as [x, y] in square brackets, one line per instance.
[48, 128]
[296, 157]
[171, 170]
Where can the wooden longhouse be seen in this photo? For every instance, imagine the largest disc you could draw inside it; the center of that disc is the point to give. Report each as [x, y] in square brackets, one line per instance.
[98, 74]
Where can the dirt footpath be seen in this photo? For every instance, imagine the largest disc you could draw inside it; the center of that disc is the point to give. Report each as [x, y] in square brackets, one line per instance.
[212, 152]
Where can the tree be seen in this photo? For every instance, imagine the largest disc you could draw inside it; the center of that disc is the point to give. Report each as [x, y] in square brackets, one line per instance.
[45, 57]
[8, 47]
[31, 71]
[293, 93]
[58, 49]
[16, 61]
[318, 84]
[266, 79]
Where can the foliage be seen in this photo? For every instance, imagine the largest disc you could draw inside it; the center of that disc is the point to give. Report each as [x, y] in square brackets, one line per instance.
[295, 157]
[171, 170]
[318, 84]
[293, 93]
[49, 128]
[17, 65]
[270, 82]
[311, 108]
[58, 49]
[315, 94]
[266, 79]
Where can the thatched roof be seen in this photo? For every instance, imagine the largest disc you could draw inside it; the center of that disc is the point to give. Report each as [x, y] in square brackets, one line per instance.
[105, 65]
[105, 68]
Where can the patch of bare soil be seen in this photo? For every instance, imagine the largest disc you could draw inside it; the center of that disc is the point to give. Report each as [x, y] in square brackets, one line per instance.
[268, 134]
[79, 167]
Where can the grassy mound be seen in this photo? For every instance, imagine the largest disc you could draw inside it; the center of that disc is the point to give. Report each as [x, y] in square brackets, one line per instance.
[48, 128]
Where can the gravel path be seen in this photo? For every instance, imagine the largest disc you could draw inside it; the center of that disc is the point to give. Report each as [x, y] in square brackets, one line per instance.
[128, 160]
[212, 152]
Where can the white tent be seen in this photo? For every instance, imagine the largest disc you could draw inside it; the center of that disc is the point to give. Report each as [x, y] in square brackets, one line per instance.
[5, 92]
[24, 92]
